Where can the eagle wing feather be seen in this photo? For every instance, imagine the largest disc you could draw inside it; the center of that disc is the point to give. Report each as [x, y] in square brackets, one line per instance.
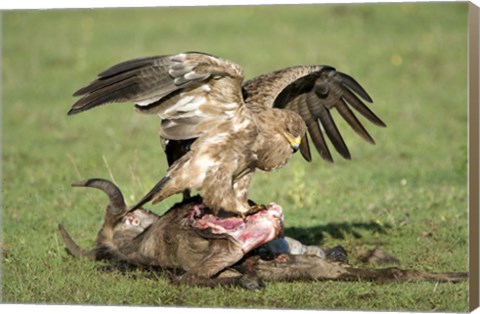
[189, 91]
[312, 91]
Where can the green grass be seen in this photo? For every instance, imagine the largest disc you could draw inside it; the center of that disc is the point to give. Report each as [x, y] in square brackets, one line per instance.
[407, 194]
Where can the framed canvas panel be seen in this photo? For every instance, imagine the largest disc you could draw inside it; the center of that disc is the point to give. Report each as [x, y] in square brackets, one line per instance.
[413, 195]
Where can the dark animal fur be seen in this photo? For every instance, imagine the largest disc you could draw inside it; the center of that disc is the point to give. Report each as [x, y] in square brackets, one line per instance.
[200, 258]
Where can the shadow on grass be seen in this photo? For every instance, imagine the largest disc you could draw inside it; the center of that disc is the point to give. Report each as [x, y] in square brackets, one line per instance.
[316, 234]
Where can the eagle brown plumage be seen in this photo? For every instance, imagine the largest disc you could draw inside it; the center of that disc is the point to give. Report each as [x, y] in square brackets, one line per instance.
[230, 129]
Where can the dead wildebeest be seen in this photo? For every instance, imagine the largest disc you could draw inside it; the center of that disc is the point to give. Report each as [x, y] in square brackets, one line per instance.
[196, 247]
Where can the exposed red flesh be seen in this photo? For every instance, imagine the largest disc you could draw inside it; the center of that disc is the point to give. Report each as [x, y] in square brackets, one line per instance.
[252, 231]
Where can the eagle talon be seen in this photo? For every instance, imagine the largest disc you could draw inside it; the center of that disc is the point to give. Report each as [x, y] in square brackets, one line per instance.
[255, 208]
[223, 214]
[243, 216]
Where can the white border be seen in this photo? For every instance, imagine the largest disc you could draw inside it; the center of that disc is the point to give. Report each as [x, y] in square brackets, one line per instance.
[49, 4]
[80, 309]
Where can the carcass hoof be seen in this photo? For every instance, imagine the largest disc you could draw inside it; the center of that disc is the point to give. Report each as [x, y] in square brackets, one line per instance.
[337, 254]
[251, 282]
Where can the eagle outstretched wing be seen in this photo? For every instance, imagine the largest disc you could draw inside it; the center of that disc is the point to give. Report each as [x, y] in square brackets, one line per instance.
[190, 92]
[312, 91]
[197, 96]
[217, 131]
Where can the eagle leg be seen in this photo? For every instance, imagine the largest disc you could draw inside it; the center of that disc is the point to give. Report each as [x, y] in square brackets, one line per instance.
[174, 150]
[220, 194]
[186, 195]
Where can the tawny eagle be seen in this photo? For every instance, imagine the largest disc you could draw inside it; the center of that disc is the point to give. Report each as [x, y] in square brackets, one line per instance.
[230, 128]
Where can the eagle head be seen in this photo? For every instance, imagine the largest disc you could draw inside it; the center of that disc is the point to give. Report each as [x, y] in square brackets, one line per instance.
[280, 134]
[294, 128]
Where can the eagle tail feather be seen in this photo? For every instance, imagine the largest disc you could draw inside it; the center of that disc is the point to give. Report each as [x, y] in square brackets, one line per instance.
[149, 196]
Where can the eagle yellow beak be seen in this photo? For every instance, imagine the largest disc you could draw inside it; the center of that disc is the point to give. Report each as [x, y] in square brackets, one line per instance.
[294, 141]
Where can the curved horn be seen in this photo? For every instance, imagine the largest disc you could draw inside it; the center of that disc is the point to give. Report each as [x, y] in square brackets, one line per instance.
[117, 202]
[72, 247]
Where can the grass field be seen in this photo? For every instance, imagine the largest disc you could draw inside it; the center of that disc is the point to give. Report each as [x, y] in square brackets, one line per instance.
[407, 194]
